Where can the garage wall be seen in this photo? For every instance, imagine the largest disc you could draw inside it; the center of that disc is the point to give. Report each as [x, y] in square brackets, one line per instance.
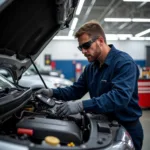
[65, 54]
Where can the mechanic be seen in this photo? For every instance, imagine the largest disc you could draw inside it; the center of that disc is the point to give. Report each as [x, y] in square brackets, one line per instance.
[111, 80]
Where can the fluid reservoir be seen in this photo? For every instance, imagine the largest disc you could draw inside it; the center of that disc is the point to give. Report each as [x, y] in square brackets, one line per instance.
[51, 141]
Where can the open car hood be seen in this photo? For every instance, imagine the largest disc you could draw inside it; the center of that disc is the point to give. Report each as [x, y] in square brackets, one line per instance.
[27, 26]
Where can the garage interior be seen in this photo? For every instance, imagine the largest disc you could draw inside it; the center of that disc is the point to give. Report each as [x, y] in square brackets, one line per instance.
[127, 25]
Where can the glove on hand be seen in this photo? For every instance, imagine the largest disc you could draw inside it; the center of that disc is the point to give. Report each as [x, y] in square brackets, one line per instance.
[46, 92]
[70, 108]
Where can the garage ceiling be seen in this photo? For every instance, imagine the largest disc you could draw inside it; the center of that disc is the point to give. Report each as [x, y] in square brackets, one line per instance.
[104, 10]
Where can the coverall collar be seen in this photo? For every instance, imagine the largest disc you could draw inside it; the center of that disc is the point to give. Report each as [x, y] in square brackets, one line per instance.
[108, 59]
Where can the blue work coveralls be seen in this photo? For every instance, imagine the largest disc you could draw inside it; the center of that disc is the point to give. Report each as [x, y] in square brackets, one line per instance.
[113, 89]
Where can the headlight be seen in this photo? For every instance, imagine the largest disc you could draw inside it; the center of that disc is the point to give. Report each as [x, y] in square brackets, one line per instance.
[124, 136]
[128, 139]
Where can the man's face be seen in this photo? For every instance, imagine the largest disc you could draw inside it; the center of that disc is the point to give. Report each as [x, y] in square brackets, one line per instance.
[93, 52]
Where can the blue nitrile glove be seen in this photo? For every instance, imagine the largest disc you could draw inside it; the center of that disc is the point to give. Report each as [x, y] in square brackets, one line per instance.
[46, 92]
[70, 108]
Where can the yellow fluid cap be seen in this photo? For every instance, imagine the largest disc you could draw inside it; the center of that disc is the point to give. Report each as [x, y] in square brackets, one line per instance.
[30, 109]
[71, 144]
[51, 140]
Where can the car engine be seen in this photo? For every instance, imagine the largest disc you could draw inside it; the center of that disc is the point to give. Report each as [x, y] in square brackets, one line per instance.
[47, 123]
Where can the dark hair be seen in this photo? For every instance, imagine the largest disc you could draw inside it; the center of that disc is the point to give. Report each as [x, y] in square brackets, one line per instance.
[92, 28]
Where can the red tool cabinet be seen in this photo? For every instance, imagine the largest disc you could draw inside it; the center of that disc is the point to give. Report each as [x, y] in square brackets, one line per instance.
[144, 93]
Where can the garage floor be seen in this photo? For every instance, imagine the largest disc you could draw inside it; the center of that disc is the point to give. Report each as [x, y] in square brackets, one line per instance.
[145, 120]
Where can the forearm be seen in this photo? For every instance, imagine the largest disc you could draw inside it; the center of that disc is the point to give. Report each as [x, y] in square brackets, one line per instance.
[76, 91]
[69, 93]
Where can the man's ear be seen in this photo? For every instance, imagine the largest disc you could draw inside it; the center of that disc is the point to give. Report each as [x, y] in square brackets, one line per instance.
[99, 40]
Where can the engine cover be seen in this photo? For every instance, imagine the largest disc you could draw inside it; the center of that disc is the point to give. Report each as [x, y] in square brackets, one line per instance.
[66, 131]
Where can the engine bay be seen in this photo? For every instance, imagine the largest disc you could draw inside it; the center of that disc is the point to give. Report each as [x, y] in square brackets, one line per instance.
[36, 119]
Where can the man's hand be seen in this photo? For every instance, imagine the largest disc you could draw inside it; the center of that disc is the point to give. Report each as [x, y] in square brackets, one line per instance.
[70, 108]
[46, 92]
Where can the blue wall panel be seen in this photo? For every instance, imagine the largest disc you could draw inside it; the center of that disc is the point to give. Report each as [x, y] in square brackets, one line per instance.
[141, 63]
[68, 66]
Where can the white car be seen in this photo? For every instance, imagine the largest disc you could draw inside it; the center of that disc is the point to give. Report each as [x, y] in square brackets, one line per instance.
[30, 79]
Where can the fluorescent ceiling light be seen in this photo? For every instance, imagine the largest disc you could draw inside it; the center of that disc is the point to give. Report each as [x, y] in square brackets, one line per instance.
[117, 19]
[118, 36]
[111, 37]
[136, 0]
[143, 33]
[71, 33]
[140, 20]
[147, 38]
[63, 38]
[124, 36]
[127, 20]
[137, 38]
[80, 5]
[74, 23]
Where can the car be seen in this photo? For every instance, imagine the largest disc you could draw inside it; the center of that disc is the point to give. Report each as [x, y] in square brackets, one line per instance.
[51, 82]
[53, 73]
[30, 78]
[29, 121]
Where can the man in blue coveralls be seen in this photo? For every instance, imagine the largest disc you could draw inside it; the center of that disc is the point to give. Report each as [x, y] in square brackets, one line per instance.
[111, 80]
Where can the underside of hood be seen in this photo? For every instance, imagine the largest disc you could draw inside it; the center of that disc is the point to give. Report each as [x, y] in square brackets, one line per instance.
[27, 26]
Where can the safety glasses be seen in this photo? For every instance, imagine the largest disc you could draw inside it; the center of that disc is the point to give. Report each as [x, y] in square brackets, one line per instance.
[88, 44]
